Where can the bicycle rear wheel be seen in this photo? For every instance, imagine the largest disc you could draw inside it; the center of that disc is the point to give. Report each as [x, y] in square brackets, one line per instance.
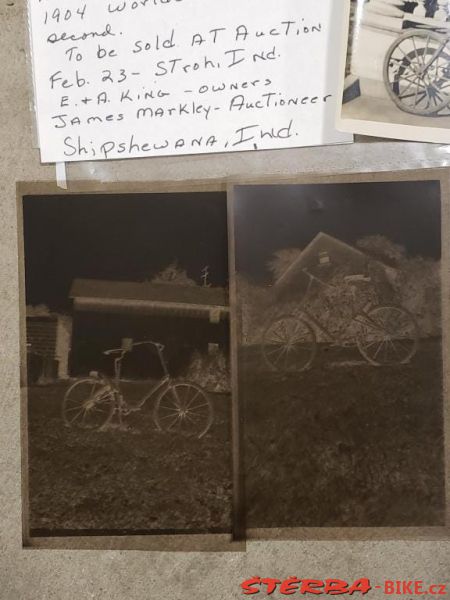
[388, 335]
[184, 408]
[88, 404]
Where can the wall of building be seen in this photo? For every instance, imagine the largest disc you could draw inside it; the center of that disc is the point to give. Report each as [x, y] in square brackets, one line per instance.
[118, 575]
[63, 345]
[182, 337]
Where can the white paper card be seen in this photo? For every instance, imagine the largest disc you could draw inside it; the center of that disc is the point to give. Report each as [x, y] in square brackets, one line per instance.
[132, 78]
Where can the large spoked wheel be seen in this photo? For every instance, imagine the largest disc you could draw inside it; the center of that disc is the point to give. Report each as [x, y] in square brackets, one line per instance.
[88, 404]
[289, 344]
[184, 408]
[417, 73]
[388, 335]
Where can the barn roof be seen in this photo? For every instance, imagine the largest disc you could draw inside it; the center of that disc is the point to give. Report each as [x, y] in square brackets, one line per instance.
[295, 269]
[150, 298]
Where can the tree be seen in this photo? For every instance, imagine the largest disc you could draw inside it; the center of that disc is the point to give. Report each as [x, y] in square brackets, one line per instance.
[282, 260]
[173, 275]
[383, 249]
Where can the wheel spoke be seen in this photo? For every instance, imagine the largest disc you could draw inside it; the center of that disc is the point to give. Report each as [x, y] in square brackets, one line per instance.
[198, 392]
[370, 344]
[175, 395]
[280, 355]
[169, 408]
[411, 82]
[273, 350]
[198, 406]
[170, 416]
[378, 350]
[409, 62]
[388, 336]
[88, 404]
[97, 409]
[76, 416]
[192, 418]
[73, 408]
[278, 335]
[170, 427]
[394, 347]
[185, 410]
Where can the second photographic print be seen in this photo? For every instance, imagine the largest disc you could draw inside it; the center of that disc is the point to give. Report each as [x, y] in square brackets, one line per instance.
[337, 294]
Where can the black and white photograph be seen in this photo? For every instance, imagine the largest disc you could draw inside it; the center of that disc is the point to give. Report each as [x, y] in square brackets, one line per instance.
[397, 81]
[126, 321]
[337, 288]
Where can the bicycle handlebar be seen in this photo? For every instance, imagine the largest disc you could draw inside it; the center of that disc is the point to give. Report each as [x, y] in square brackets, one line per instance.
[157, 345]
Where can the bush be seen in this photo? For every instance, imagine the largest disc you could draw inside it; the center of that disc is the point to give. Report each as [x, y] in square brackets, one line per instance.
[210, 371]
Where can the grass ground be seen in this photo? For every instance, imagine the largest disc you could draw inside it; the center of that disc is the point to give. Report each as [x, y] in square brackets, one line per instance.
[345, 443]
[342, 444]
[138, 480]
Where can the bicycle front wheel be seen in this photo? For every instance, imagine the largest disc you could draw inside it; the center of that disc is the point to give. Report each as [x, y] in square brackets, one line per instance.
[184, 408]
[388, 335]
[88, 404]
[289, 344]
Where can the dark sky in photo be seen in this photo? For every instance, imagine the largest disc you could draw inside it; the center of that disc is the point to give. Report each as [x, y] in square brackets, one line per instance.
[120, 237]
[270, 218]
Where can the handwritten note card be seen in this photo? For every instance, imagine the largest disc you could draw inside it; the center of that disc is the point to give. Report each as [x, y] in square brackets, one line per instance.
[131, 78]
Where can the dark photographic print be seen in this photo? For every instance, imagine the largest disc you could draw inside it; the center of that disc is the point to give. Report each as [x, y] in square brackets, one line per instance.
[398, 70]
[337, 292]
[127, 364]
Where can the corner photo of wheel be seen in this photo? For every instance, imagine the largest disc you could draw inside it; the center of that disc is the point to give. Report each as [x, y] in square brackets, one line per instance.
[417, 72]
[397, 76]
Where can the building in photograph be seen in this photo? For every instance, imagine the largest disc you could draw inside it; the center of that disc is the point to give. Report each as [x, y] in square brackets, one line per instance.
[185, 318]
[49, 336]
[323, 255]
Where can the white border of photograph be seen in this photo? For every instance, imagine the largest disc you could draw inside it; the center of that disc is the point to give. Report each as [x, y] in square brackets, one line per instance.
[384, 128]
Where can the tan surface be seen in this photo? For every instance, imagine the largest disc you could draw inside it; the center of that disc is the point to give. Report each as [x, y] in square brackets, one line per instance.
[61, 575]
[384, 111]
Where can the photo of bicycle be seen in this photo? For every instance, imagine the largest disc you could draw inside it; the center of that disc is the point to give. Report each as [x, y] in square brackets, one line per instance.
[127, 368]
[339, 353]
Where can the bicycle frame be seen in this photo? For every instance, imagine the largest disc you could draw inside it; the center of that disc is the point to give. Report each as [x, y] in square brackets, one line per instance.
[98, 399]
[354, 318]
[116, 382]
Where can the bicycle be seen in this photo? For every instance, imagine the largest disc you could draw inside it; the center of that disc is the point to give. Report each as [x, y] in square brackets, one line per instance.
[416, 72]
[180, 406]
[386, 335]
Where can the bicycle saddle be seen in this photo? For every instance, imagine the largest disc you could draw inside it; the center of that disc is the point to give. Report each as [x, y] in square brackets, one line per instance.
[113, 351]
